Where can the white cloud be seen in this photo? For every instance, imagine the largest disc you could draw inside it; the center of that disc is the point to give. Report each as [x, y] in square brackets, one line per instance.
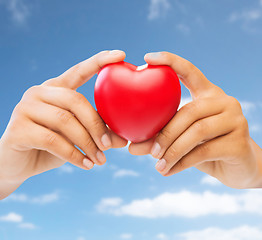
[209, 180]
[248, 17]
[162, 236]
[42, 199]
[16, 198]
[126, 236]
[158, 8]
[108, 203]
[66, 169]
[200, 21]
[11, 217]
[25, 225]
[46, 198]
[247, 107]
[183, 28]
[113, 167]
[239, 233]
[255, 128]
[186, 204]
[81, 238]
[18, 9]
[125, 173]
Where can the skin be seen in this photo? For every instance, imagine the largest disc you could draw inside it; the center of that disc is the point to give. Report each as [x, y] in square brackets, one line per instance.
[209, 133]
[50, 121]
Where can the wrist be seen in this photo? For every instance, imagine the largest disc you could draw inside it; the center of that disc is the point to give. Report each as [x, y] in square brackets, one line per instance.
[10, 173]
[256, 181]
[7, 187]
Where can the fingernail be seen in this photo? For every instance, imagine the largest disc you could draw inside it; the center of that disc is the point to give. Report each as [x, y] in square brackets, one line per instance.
[153, 55]
[161, 164]
[101, 157]
[106, 141]
[88, 163]
[115, 52]
[155, 152]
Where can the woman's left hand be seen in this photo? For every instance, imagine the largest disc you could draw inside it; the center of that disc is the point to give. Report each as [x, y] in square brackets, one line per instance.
[209, 133]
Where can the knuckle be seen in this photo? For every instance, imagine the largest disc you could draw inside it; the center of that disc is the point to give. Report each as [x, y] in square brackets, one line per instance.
[77, 98]
[190, 66]
[90, 145]
[74, 155]
[19, 109]
[23, 109]
[77, 70]
[166, 55]
[242, 124]
[203, 150]
[187, 107]
[172, 153]
[98, 58]
[16, 128]
[165, 134]
[63, 116]
[233, 102]
[245, 147]
[217, 92]
[102, 53]
[97, 124]
[50, 139]
[241, 148]
[192, 108]
[31, 92]
[200, 128]
[50, 82]
[181, 165]
[81, 77]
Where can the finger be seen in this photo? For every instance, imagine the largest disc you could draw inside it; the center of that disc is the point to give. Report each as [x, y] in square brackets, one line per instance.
[184, 118]
[64, 122]
[142, 148]
[77, 104]
[44, 139]
[201, 131]
[117, 141]
[79, 74]
[190, 75]
[208, 154]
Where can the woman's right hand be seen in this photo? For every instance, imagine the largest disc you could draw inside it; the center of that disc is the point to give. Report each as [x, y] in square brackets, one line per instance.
[50, 121]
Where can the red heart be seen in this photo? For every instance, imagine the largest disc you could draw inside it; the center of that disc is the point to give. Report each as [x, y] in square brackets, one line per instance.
[137, 103]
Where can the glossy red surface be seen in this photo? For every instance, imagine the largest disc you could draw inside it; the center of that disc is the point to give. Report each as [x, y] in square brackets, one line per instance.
[137, 104]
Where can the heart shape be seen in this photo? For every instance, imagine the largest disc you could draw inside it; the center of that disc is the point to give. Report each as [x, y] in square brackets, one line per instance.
[136, 102]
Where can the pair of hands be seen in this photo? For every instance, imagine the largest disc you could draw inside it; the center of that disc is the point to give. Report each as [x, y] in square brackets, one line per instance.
[209, 133]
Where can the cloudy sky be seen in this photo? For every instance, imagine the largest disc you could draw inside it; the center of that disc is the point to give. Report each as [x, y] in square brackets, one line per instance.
[127, 198]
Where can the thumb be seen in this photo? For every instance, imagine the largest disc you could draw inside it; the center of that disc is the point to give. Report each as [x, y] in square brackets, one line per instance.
[190, 75]
[79, 74]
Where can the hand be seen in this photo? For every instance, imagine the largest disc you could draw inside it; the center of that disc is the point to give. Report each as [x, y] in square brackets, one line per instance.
[50, 120]
[209, 133]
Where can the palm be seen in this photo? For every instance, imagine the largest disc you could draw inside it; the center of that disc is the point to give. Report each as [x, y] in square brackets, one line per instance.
[228, 172]
[27, 162]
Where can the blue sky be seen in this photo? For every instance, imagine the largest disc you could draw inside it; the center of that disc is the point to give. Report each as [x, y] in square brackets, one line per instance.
[126, 198]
